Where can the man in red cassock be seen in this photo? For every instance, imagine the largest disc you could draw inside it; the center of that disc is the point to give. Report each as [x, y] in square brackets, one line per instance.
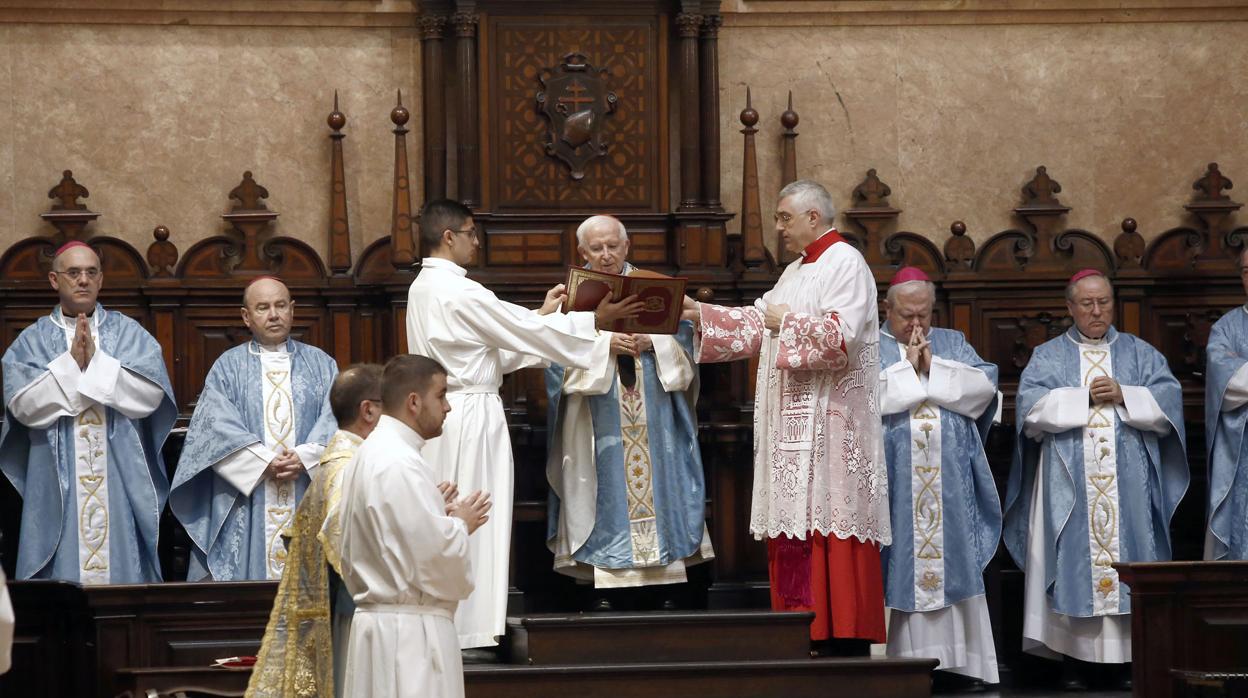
[820, 478]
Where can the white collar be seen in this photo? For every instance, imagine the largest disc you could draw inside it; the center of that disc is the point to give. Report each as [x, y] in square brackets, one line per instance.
[441, 263]
[66, 323]
[257, 348]
[401, 430]
[1084, 339]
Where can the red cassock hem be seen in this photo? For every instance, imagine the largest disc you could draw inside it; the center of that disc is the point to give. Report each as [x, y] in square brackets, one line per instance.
[846, 585]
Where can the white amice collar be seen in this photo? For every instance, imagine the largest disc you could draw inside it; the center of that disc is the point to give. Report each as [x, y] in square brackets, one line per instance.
[445, 264]
[1084, 339]
[257, 348]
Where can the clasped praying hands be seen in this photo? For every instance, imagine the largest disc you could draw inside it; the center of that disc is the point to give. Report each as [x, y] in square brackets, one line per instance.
[1104, 389]
[83, 348]
[286, 466]
[919, 351]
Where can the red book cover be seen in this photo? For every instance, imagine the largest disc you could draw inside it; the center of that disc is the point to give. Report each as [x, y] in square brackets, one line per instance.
[662, 296]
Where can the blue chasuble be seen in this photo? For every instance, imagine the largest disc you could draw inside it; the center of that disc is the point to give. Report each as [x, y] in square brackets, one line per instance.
[1227, 351]
[40, 462]
[227, 526]
[968, 512]
[1151, 473]
[650, 511]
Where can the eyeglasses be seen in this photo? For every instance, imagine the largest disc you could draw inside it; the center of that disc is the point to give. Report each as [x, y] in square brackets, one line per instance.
[471, 231]
[1090, 303]
[74, 274]
[787, 217]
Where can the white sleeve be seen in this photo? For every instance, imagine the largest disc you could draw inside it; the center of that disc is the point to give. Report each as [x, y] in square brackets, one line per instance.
[310, 455]
[52, 395]
[510, 361]
[675, 367]
[568, 339]
[900, 388]
[1236, 391]
[595, 380]
[1061, 410]
[106, 382]
[960, 388]
[244, 468]
[1140, 410]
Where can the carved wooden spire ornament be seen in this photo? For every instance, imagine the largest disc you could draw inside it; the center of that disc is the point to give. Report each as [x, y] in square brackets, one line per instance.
[788, 166]
[249, 216]
[754, 252]
[402, 252]
[339, 226]
[68, 215]
[871, 212]
[575, 101]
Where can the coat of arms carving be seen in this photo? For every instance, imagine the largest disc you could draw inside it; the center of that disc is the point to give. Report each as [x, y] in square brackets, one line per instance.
[575, 102]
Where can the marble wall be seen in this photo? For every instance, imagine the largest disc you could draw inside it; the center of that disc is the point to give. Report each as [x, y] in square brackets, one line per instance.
[159, 105]
[956, 117]
[159, 122]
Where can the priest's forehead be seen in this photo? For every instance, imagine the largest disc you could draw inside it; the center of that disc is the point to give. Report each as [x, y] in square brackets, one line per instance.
[1095, 285]
[266, 290]
[76, 257]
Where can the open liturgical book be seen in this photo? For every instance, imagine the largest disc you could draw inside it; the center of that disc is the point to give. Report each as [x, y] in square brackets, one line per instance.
[663, 297]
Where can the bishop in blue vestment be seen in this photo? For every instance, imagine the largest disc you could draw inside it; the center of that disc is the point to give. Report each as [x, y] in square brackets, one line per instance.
[627, 500]
[1226, 393]
[938, 400]
[259, 428]
[1099, 468]
[88, 407]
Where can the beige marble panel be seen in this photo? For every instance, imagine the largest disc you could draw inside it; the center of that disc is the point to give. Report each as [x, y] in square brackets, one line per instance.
[160, 123]
[956, 118]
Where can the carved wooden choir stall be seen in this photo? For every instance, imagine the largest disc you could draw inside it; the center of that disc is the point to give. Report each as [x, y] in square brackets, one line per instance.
[536, 117]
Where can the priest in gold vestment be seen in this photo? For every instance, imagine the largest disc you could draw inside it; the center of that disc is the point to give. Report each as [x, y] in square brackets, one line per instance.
[304, 647]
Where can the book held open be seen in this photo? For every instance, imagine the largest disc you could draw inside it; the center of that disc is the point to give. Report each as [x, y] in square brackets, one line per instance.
[662, 295]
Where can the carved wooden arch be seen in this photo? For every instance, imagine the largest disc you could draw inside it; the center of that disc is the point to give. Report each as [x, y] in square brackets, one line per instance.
[27, 260]
[1085, 250]
[30, 260]
[1003, 251]
[288, 258]
[907, 249]
[1174, 251]
[375, 263]
[119, 261]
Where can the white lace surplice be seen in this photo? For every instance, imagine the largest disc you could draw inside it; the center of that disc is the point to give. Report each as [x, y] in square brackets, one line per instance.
[820, 466]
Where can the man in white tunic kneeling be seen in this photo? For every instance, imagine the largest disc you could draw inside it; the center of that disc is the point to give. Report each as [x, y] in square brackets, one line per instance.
[405, 546]
[1099, 468]
[938, 399]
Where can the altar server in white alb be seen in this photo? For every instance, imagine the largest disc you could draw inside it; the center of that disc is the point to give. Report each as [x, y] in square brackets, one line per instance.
[405, 546]
[1099, 468]
[479, 338]
[1226, 420]
[938, 400]
[89, 407]
[259, 428]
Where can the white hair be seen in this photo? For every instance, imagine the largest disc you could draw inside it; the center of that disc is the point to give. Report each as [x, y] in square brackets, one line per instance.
[594, 222]
[907, 286]
[809, 195]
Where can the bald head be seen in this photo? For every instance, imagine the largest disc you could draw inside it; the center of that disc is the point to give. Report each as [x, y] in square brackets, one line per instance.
[268, 311]
[77, 278]
[355, 398]
[603, 243]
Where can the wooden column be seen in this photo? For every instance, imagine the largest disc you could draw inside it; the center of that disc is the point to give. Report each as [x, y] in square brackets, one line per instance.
[709, 64]
[402, 250]
[339, 227]
[788, 166]
[469, 161]
[688, 26]
[434, 117]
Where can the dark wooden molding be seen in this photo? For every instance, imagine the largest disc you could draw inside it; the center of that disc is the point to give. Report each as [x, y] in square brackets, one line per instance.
[708, 62]
[871, 212]
[467, 128]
